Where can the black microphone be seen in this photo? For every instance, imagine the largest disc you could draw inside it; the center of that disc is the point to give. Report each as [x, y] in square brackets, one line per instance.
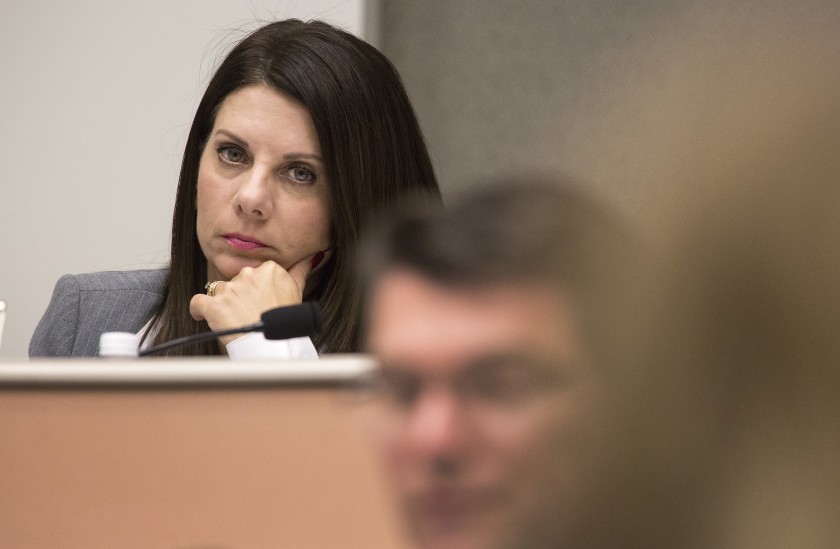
[292, 321]
[286, 322]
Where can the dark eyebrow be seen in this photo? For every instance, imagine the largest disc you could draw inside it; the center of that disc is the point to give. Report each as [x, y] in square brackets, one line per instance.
[547, 367]
[502, 360]
[303, 156]
[291, 156]
[233, 137]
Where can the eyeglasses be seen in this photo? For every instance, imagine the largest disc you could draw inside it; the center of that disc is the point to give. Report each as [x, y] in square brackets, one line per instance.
[503, 384]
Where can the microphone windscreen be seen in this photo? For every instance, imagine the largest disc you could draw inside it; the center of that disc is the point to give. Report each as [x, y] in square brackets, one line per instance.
[292, 321]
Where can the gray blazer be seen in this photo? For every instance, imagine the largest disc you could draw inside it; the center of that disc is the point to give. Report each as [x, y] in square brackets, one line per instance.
[85, 306]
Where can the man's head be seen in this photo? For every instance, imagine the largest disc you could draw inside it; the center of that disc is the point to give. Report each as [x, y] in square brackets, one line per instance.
[478, 316]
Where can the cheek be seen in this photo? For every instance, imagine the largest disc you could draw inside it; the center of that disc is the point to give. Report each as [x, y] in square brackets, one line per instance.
[387, 434]
[203, 218]
[207, 187]
[202, 191]
[553, 444]
[323, 226]
[310, 223]
[386, 429]
[214, 195]
[518, 438]
[533, 439]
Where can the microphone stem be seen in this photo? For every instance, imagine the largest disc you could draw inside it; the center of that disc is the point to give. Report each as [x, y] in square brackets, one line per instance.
[201, 337]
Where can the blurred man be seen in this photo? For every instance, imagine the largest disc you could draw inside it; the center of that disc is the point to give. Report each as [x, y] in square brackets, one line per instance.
[479, 316]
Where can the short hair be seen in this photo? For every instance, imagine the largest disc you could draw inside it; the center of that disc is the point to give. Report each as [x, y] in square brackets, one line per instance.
[516, 230]
[373, 150]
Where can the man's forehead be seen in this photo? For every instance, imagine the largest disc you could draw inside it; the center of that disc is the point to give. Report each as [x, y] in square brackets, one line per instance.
[411, 288]
[418, 321]
[489, 362]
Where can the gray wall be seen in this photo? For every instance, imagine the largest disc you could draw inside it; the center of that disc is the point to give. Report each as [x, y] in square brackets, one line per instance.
[600, 90]
[96, 98]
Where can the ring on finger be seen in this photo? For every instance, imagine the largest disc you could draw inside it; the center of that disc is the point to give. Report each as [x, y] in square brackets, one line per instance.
[211, 287]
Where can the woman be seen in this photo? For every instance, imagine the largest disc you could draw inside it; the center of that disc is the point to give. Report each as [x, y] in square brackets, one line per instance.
[303, 134]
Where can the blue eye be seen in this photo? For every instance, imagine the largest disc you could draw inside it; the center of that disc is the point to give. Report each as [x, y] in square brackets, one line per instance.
[231, 155]
[302, 174]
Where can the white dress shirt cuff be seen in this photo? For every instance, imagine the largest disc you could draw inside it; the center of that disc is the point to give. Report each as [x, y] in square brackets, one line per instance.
[255, 345]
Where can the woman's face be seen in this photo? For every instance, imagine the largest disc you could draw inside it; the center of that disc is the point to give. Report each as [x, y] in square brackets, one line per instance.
[262, 192]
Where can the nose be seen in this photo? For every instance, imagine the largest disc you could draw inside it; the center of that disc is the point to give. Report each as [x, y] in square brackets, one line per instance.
[438, 424]
[253, 198]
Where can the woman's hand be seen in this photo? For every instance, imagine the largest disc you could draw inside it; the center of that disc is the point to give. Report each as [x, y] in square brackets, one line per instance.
[243, 299]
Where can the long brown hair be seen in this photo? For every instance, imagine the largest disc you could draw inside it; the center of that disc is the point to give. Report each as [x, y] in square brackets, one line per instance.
[374, 154]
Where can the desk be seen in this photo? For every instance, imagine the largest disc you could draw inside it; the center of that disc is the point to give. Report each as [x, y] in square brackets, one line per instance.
[216, 464]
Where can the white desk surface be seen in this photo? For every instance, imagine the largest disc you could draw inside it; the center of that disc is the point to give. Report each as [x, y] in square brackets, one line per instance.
[328, 369]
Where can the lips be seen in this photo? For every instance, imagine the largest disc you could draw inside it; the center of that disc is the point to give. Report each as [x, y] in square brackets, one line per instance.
[444, 503]
[243, 242]
[451, 504]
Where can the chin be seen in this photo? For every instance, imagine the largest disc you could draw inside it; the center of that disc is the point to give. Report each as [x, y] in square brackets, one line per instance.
[462, 540]
[229, 268]
[471, 535]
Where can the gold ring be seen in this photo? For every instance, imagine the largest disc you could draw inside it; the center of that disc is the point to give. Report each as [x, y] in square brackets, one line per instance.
[211, 287]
